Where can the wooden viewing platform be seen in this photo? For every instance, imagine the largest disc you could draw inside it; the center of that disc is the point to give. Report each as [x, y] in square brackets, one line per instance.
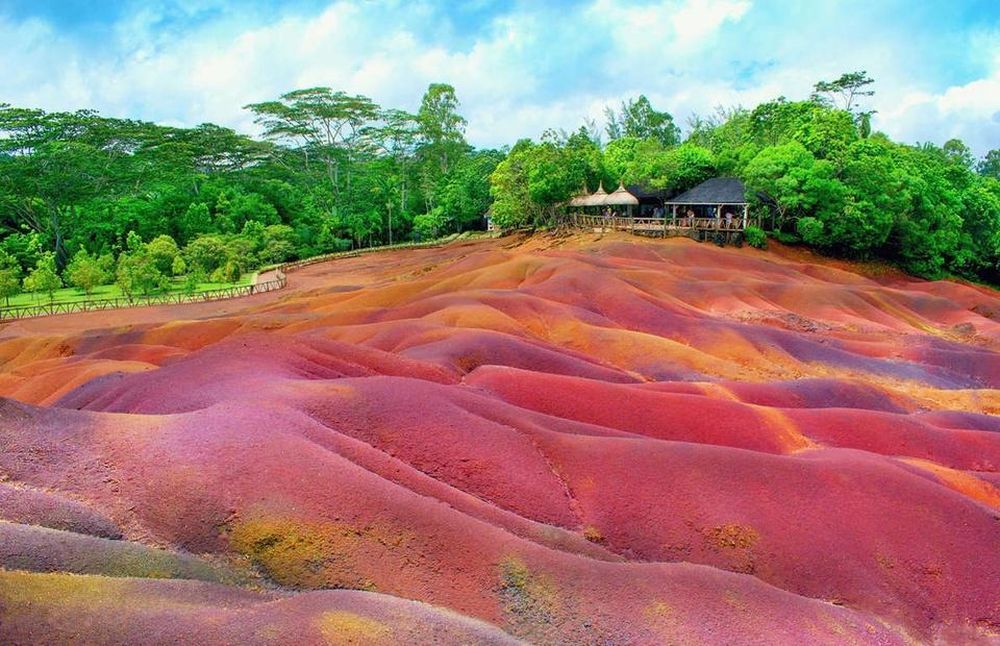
[723, 198]
[696, 228]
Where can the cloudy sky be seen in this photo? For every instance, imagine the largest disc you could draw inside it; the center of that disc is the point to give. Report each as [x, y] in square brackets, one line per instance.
[518, 66]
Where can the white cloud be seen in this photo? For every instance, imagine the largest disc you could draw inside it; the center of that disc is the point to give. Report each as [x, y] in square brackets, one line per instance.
[969, 112]
[531, 68]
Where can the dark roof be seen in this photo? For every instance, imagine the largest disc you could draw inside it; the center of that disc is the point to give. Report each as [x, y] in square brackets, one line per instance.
[718, 190]
[645, 192]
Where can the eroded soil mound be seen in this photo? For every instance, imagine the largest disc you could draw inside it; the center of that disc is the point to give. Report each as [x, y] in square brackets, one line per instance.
[557, 440]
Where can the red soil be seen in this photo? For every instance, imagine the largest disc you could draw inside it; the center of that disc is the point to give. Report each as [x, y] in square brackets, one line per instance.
[572, 439]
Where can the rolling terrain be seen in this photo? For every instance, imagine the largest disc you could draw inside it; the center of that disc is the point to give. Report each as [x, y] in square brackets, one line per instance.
[551, 439]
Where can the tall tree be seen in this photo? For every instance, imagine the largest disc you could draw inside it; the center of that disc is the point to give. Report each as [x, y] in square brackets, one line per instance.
[442, 137]
[397, 136]
[989, 165]
[442, 128]
[320, 123]
[844, 91]
[638, 119]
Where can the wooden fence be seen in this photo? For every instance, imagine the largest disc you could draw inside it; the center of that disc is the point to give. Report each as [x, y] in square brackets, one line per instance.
[692, 227]
[298, 264]
[121, 302]
[237, 291]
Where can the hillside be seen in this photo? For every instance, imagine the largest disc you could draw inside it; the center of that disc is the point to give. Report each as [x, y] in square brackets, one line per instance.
[579, 439]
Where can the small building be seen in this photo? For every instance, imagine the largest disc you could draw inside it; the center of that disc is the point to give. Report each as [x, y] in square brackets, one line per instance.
[713, 198]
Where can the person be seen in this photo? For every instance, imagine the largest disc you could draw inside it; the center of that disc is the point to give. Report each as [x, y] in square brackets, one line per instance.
[729, 219]
[689, 220]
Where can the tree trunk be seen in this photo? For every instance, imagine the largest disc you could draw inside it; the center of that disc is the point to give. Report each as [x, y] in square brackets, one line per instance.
[60, 248]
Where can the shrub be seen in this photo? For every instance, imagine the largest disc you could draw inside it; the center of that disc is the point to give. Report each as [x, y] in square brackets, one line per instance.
[756, 237]
[786, 237]
[812, 231]
[191, 282]
[178, 267]
[228, 273]
[162, 250]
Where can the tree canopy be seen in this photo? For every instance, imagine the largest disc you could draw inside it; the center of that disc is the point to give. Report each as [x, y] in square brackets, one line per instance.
[86, 199]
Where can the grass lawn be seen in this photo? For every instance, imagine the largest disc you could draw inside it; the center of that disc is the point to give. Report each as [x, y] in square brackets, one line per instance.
[73, 295]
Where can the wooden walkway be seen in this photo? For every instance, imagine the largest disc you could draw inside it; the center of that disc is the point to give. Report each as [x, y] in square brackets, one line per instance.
[697, 228]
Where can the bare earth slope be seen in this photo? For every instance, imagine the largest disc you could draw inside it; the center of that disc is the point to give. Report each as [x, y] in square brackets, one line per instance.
[551, 439]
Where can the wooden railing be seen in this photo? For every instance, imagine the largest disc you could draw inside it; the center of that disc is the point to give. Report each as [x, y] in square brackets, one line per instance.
[667, 226]
[298, 264]
[236, 291]
[47, 309]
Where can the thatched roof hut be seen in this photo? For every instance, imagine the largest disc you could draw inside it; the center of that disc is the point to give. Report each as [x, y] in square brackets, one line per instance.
[621, 197]
[597, 199]
[580, 199]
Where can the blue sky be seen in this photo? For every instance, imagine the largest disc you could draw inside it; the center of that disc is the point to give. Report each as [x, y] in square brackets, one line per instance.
[518, 66]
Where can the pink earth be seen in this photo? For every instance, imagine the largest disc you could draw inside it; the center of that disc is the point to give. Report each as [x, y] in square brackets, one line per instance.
[577, 439]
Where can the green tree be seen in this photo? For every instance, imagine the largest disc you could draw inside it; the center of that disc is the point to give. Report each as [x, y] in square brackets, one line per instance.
[138, 274]
[638, 119]
[196, 220]
[191, 282]
[320, 124]
[512, 202]
[957, 152]
[532, 180]
[85, 272]
[428, 226]
[178, 267]
[228, 272]
[397, 137]
[796, 184]
[622, 157]
[279, 242]
[989, 165]
[442, 128]
[44, 278]
[162, 251]
[464, 197]
[10, 276]
[845, 90]
[23, 247]
[679, 168]
[205, 253]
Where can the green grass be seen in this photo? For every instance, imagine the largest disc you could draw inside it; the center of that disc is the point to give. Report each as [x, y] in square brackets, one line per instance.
[73, 295]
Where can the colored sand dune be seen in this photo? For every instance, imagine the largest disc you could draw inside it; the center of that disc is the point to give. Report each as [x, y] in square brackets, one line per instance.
[550, 439]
